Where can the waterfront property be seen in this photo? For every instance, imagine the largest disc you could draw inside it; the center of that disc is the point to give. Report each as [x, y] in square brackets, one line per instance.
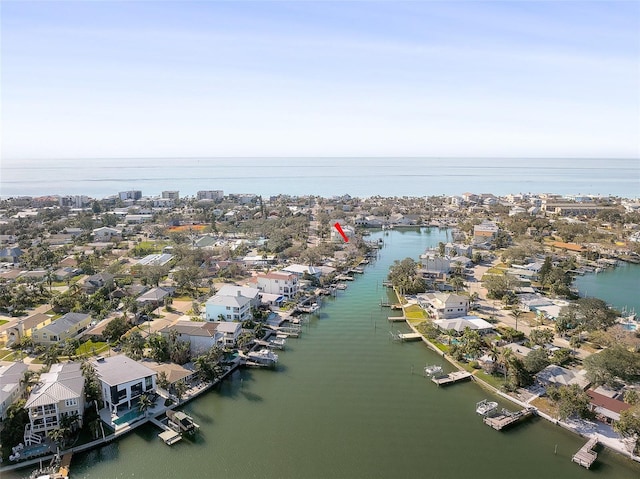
[123, 381]
[283, 284]
[60, 393]
[444, 305]
[228, 308]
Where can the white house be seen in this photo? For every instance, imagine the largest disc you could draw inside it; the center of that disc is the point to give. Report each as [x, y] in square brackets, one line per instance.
[11, 387]
[444, 305]
[228, 333]
[105, 234]
[201, 336]
[336, 237]
[231, 308]
[462, 323]
[60, 393]
[232, 290]
[300, 269]
[123, 381]
[284, 284]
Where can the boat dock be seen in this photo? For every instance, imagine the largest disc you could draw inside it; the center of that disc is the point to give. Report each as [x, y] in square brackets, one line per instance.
[168, 435]
[344, 277]
[451, 378]
[396, 318]
[506, 418]
[409, 336]
[586, 456]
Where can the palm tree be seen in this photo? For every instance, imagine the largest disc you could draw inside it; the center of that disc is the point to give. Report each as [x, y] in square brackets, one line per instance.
[145, 404]
[505, 358]
[456, 282]
[57, 436]
[180, 388]
[516, 313]
[29, 378]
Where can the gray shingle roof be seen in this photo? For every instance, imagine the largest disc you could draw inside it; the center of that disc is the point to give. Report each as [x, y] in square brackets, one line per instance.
[120, 369]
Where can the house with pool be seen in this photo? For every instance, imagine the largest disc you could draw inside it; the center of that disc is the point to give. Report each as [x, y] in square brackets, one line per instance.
[122, 382]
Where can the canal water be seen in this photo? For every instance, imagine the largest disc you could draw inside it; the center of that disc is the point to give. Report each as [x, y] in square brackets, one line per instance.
[347, 402]
[617, 286]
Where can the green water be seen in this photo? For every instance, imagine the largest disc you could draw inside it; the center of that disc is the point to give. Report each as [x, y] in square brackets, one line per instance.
[343, 403]
[617, 286]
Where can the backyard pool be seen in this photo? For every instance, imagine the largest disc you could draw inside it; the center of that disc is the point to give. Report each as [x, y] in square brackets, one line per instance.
[130, 416]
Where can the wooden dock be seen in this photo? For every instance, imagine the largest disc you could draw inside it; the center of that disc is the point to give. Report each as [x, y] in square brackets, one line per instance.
[507, 418]
[586, 456]
[451, 378]
[396, 318]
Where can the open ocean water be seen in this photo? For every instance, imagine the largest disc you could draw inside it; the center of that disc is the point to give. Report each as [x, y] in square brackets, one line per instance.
[363, 177]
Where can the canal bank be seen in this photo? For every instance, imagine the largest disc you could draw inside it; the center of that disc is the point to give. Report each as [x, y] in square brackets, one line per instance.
[343, 403]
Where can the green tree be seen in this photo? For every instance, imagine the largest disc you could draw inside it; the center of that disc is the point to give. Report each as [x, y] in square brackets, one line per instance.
[179, 389]
[115, 329]
[499, 285]
[612, 365]
[541, 336]
[569, 401]
[159, 348]
[629, 425]
[134, 345]
[144, 404]
[516, 314]
[536, 360]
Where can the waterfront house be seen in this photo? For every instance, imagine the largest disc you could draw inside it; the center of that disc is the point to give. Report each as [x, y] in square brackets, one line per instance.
[232, 290]
[284, 284]
[123, 381]
[68, 326]
[59, 393]
[201, 336]
[465, 322]
[559, 376]
[607, 408]
[229, 308]
[173, 372]
[11, 385]
[300, 270]
[444, 305]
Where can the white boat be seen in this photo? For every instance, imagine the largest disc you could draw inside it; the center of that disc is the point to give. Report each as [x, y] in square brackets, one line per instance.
[484, 407]
[263, 356]
[433, 370]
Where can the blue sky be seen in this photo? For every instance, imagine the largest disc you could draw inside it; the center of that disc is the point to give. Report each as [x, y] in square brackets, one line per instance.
[277, 78]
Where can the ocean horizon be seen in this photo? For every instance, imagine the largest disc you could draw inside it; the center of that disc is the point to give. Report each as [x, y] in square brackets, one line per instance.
[323, 176]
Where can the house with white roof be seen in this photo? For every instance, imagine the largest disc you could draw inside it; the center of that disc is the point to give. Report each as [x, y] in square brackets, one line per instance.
[281, 283]
[300, 270]
[231, 308]
[123, 381]
[444, 305]
[11, 387]
[465, 322]
[232, 290]
[105, 233]
[559, 376]
[59, 393]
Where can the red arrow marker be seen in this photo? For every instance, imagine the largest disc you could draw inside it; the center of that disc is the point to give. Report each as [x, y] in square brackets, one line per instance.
[344, 236]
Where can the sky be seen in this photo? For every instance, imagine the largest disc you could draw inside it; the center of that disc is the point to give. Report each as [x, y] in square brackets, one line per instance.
[306, 78]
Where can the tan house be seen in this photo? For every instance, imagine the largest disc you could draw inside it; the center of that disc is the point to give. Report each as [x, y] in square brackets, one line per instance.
[68, 326]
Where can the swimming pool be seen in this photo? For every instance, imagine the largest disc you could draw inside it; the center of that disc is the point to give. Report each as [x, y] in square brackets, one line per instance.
[630, 326]
[130, 416]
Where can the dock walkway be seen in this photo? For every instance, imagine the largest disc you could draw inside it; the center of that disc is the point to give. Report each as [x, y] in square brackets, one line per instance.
[586, 456]
[451, 378]
[507, 418]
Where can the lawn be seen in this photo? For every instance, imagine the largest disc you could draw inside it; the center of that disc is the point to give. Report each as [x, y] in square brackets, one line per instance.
[90, 348]
[3, 321]
[414, 312]
[495, 381]
[4, 353]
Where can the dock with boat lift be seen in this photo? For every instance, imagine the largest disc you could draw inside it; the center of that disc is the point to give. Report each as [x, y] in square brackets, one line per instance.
[168, 435]
[586, 456]
[451, 378]
[409, 336]
[507, 418]
[396, 318]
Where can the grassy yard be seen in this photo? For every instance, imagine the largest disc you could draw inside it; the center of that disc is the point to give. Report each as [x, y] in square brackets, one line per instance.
[4, 353]
[3, 321]
[414, 312]
[495, 381]
[89, 348]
